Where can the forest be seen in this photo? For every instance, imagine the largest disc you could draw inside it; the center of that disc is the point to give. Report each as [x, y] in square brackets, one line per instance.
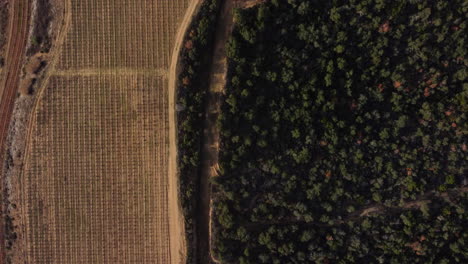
[193, 85]
[344, 134]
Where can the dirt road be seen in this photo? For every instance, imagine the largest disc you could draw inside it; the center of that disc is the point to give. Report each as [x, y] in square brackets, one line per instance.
[176, 218]
[210, 148]
[18, 29]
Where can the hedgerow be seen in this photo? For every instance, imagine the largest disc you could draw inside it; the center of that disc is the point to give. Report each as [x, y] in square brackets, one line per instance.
[193, 86]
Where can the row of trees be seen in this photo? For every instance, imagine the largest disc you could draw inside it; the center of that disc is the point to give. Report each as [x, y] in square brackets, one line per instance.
[193, 85]
[336, 105]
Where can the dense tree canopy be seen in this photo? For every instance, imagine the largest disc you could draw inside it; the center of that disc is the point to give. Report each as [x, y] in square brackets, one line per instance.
[337, 106]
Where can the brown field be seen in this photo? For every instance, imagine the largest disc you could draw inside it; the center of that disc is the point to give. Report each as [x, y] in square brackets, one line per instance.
[98, 184]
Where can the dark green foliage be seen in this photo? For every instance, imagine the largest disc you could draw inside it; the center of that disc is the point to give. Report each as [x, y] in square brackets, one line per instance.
[193, 85]
[404, 236]
[333, 106]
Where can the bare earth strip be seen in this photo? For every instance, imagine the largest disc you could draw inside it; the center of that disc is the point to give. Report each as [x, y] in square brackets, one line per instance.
[210, 150]
[99, 181]
[18, 32]
[18, 29]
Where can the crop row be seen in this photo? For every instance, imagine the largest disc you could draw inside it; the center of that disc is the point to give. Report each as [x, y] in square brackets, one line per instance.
[109, 34]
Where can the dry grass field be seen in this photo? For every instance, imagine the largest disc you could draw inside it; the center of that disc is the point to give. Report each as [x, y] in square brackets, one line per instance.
[97, 186]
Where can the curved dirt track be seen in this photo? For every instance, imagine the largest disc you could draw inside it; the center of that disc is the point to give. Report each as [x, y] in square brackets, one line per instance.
[18, 29]
[177, 222]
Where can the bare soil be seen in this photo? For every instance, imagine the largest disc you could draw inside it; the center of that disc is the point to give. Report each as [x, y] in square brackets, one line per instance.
[249, 3]
[210, 149]
[17, 30]
[31, 72]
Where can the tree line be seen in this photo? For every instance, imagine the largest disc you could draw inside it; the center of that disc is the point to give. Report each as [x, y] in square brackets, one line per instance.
[193, 84]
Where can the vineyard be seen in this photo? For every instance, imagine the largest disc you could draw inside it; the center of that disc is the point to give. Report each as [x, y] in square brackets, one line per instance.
[96, 185]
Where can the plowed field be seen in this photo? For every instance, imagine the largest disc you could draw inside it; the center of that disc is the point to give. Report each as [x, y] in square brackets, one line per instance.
[97, 185]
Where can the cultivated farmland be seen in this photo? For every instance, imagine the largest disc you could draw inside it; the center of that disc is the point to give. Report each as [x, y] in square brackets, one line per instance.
[97, 184]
